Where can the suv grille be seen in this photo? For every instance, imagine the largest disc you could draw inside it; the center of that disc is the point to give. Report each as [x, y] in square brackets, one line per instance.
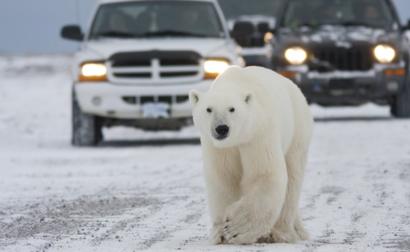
[355, 58]
[155, 67]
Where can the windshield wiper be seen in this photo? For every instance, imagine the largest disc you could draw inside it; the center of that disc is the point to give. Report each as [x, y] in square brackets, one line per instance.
[307, 24]
[119, 34]
[172, 33]
[355, 23]
[115, 34]
[343, 23]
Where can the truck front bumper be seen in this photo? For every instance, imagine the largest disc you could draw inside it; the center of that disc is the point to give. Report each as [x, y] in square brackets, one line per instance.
[126, 101]
[379, 84]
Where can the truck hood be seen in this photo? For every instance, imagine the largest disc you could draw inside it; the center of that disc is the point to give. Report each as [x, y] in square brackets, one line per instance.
[339, 34]
[104, 48]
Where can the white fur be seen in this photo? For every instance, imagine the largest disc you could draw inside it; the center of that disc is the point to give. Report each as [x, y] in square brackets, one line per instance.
[254, 176]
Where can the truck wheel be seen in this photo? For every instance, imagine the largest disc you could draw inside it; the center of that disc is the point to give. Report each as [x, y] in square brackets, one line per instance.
[400, 107]
[86, 129]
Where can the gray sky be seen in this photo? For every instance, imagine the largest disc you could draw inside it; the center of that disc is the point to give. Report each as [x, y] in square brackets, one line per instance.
[33, 26]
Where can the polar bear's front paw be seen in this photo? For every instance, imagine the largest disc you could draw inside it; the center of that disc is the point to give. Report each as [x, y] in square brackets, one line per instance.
[243, 226]
[217, 235]
[284, 235]
[301, 231]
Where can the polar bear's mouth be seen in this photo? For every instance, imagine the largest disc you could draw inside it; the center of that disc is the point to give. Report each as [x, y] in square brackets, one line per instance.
[221, 132]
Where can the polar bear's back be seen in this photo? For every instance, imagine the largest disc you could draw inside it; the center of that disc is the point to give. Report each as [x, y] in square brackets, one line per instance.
[269, 88]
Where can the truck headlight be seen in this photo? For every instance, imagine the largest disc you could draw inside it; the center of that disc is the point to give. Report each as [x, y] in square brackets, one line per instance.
[296, 55]
[214, 67]
[384, 53]
[93, 71]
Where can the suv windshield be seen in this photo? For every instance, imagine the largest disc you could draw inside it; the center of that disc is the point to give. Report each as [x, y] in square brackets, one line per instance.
[235, 8]
[157, 19]
[372, 13]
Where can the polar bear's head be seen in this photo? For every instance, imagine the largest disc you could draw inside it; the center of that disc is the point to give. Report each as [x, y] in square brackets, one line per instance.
[226, 119]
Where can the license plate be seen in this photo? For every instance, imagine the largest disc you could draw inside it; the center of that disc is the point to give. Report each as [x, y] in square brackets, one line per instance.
[155, 110]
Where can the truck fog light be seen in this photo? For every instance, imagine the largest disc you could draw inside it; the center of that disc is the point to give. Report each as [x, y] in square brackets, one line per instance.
[395, 72]
[392, 86]
[288, 74]
[96, 100]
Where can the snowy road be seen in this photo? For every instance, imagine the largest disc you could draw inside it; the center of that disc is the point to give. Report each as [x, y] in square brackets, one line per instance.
[147, 194]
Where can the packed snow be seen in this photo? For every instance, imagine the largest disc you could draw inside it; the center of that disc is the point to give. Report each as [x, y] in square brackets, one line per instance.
[145, 191]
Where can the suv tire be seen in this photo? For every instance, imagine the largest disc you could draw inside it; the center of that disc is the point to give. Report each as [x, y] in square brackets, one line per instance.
[400, 107]
[86, 129]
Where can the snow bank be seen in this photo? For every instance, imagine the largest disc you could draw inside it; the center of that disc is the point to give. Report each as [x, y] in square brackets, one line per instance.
[34, 65]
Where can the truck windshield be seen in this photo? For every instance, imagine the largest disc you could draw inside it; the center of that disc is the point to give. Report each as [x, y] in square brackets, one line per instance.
[236, 8]
[143, 19]
[312, 13]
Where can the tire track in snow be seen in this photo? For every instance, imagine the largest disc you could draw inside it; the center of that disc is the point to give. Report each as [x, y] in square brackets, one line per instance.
[54, 220]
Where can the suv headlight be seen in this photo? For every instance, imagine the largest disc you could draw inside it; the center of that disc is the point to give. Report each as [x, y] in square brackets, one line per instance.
[93, 71]
[296, 55]
[214, 67]
[384, 53]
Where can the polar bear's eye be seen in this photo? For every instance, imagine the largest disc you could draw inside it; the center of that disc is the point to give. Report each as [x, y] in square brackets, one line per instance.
[209, 110]
[232, 110]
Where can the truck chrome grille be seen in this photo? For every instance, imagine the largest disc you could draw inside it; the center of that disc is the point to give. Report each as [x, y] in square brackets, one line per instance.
[140, 100]
[155, 67]
[355, 58]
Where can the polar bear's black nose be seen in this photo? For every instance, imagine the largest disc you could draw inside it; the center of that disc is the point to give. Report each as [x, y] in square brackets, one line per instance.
[222, 131]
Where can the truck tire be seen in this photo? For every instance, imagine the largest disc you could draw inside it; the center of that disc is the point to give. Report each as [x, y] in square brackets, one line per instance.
[400, 107]
[86, 129]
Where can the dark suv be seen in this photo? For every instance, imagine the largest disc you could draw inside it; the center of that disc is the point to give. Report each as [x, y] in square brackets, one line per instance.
[345, 52]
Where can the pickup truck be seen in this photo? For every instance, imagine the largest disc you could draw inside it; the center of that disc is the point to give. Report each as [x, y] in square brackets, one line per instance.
[138, 61]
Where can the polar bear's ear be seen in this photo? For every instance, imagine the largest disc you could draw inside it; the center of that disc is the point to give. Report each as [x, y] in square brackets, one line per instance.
[248, 98]
[194, 97]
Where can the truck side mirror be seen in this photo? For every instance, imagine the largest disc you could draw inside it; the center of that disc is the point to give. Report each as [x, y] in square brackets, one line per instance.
[72, 32]
[242, 32]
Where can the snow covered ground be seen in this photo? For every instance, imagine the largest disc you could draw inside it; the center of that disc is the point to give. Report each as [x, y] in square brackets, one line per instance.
[145, 191]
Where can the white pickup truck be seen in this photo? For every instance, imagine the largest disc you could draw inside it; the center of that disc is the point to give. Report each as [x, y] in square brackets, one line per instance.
[138, 61]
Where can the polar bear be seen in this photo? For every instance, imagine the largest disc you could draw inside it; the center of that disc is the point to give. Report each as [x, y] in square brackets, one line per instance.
[255, 128]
